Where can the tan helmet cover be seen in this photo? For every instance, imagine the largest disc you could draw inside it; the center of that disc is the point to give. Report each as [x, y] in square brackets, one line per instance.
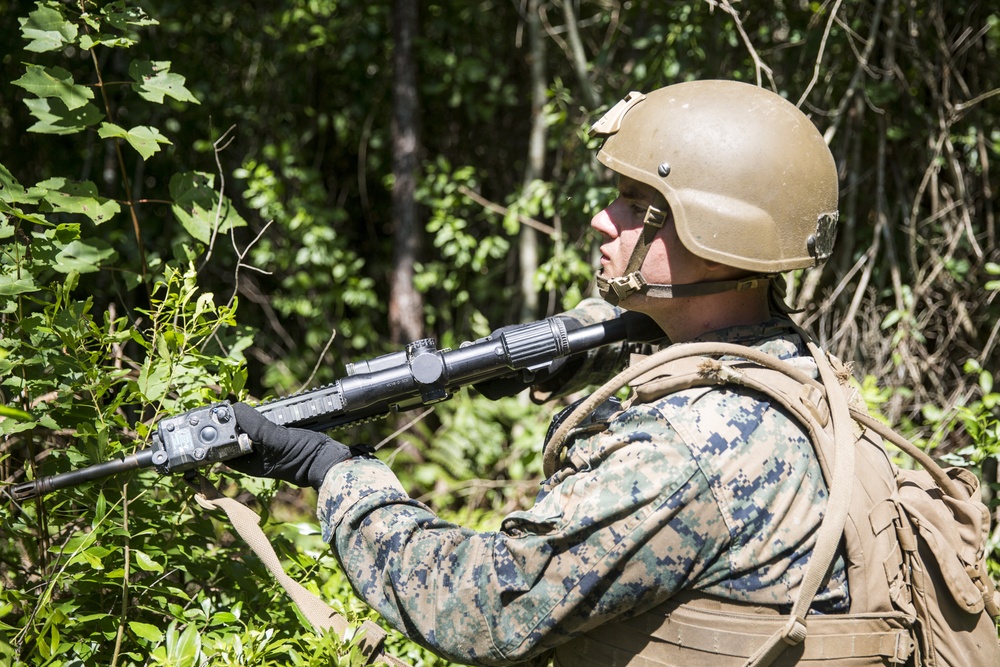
[749, 179]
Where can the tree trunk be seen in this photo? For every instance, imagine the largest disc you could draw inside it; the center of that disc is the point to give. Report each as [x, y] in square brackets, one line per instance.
[528, 242]
[405, 302]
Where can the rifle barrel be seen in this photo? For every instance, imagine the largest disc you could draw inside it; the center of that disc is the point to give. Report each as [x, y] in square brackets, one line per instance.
[39, 487]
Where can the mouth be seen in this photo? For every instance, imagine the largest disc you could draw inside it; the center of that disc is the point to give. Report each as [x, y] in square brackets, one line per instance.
[605, 257]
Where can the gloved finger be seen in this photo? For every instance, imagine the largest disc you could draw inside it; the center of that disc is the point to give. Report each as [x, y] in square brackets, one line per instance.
[262, 434]
[258, 427]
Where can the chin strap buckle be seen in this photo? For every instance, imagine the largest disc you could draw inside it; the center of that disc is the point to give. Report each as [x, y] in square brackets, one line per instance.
[616, 290]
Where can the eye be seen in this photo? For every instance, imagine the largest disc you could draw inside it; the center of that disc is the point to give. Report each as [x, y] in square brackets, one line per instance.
[638, 210]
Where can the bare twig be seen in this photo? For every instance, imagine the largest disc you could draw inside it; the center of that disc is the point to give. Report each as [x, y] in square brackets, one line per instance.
[578, 56]
[319, 360]
[758, 63]
[218, 146]
[126, 184]
[859, 72]
[819, 55]
[503, 210]
[125, 579]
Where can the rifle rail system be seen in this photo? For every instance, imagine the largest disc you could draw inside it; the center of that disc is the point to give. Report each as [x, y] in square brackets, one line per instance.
[419, 375]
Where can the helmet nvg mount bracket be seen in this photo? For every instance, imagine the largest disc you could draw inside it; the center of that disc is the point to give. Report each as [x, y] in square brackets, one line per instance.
[748, 178]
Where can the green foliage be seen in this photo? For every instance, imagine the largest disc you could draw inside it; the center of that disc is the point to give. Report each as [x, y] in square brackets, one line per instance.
[126, 571]
[124, 131]
[475, 454]
[470, 246]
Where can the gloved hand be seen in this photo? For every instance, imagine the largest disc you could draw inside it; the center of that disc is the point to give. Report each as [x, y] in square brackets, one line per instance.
[293, 455]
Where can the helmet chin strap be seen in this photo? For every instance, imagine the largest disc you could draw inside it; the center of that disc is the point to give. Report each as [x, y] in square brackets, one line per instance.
[616, 290]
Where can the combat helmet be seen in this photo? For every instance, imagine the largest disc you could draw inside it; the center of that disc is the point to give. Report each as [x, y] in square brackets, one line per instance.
[749, 180]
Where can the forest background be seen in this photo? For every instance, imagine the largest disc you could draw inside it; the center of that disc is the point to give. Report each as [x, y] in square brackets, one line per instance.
[232, 199]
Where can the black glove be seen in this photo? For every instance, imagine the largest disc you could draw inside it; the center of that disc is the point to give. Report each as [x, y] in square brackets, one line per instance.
[293, 455]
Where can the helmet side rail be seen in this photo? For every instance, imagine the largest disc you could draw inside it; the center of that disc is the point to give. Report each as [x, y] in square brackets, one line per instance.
[417, 376]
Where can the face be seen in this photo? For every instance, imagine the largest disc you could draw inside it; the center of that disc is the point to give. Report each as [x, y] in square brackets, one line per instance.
[620, 226]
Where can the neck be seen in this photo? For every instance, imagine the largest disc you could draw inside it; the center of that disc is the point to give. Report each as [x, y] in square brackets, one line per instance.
[687, 318]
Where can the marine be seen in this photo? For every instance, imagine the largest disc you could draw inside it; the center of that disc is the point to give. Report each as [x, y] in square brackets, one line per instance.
[674, 505]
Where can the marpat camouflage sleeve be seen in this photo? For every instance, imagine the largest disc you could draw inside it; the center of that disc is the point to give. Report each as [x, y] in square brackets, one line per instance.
[705, 489]
[594, 545]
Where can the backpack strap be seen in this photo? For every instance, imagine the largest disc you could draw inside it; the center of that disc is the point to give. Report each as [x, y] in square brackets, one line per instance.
[841, 466]
[831, 527]
[319, 614]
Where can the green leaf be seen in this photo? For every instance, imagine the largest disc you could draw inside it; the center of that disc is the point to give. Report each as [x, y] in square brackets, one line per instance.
[121, 17]
[196, 205]
[153, 80]
[55, 82]
[12, 284]
[79, 197]
[83, 256]
[142, 138]
[892, 318]
[46, 29]
[153, 379]
[55, 118]
[986, 381]
[12, 192]
[146, 631]
[185, 649]
[93, 558]
[100, 511]
[15, 413]
[90, 40]
[10, 427]
[145, 562]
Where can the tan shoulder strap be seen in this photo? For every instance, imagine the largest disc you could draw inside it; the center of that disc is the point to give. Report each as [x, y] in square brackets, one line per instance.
[832, 527]
[319, 614]
[840, 485]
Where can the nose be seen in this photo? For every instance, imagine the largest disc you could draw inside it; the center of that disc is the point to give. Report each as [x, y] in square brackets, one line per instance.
[603, 222]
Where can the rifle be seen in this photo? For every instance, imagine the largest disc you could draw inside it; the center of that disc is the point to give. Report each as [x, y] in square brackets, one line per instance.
[416, 376]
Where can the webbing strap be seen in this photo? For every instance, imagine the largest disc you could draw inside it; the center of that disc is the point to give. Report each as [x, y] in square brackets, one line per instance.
[631, 283]
[831, 528]
[319, 614]
[840, 486]
[553, 448]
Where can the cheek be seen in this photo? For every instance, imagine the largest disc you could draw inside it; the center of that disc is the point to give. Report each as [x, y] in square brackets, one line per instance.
[670, 260]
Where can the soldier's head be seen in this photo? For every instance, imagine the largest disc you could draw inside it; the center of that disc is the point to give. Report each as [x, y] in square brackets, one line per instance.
[722, 185]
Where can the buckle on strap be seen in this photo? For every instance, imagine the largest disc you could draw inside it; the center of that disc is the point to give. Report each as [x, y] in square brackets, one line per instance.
[627, 285]
[753, 282]
[654, 217]
[904, 648]
[795, 632]
[986, 588]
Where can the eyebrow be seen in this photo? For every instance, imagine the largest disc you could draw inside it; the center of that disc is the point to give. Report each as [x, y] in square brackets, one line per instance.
[632, 191]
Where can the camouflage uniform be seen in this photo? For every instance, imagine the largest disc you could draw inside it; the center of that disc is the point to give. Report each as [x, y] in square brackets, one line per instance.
[713, 490]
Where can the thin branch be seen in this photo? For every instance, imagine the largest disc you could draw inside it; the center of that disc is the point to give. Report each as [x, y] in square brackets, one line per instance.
[758, 63]
[962, 106]
[503, 210]
[319, 360]
[819, 56]
[405, 427]
[579, 57]
[125, 577]
[862, 67]
[121, 159]
[218, 145]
